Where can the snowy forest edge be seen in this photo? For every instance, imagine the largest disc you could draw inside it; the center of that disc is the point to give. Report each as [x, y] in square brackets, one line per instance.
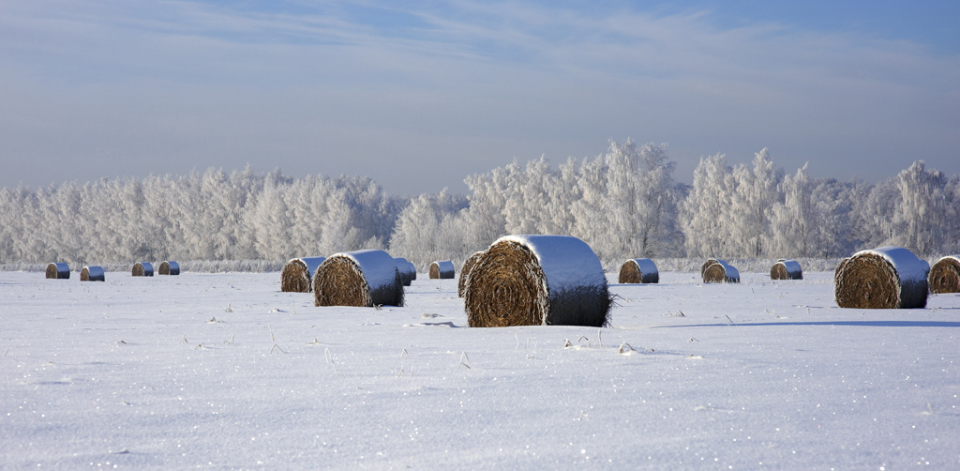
[625, 204]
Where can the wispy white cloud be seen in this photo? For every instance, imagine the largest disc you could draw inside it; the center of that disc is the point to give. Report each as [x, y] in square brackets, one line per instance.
[298, 84]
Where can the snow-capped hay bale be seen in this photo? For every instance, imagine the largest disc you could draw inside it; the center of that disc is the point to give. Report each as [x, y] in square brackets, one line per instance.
[168, 268]
[719, 271]
[442, 270]
[639, 270]
[92, 273]
[142, 269]
[537, 280]
[297, 274]
[786, 269]
[58, 271]
[883, 278]
[468, 265]
[408, 271]
[364, 278]
[945, 275]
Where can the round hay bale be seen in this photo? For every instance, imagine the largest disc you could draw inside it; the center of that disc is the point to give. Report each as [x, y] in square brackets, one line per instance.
[468, 265]
[297, 273]
[92, 273]
[537, 280]
[786, 269]
[639, 270]
[945, 275]
[718, 271]
[168, 268]
[408, 272]
[142, 269]
[58, 271]
[442, 270]
[883, 278]
[364, 278]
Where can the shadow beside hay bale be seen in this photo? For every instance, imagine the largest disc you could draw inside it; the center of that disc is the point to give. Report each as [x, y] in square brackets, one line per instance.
[883, 278]
[638, 270]
[537, 280]
[58, 271]
[364, 278]
[945, 275]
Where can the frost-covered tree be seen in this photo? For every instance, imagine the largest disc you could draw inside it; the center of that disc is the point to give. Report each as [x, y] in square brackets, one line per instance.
[484, 220]
[923, 209]
[751, 204]
[427, 229]
[702, 217]
[794, 221]
[657, 199]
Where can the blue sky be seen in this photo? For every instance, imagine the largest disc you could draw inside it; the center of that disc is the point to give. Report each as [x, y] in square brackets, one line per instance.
[422, 96]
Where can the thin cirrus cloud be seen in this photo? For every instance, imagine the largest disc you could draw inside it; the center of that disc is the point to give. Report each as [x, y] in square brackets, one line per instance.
[418, 98]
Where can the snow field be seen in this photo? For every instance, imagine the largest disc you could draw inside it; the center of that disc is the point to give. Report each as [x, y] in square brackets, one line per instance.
[223, 371]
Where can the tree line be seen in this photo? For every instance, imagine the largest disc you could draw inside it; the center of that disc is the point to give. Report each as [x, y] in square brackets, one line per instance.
[625, 203]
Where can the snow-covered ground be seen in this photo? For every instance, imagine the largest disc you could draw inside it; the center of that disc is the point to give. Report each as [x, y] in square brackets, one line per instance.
[223, 371]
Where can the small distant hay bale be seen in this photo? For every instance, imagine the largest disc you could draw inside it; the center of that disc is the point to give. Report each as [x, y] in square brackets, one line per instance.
[142, 269]
[92, 273]
[168, 268]
[786, 269]
[468, 265]
[537, 280]
[408, 271]
[945, 275]
[718, 271]
[364, 278]
[883, 278]
[639, 270]
[58, 271]
[297, 274]
[442, 270]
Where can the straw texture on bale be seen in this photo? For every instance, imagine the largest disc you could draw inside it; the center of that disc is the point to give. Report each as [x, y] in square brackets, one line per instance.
[786, 269]
[92, 273]
[142, 269]
[408, 271]
[58, 271]
[945, 275]
[468, 265]
[719, 271]
[442, 270]
[366, 278]
[168, 268]
[639, 270]
[884, 278]
[537, 280]
[297, 274]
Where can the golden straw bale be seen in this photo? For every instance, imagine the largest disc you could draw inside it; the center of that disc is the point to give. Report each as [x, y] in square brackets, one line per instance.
[945, 275]
[509, 287]
[884, 278]
[468, 265]
[365, 278]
